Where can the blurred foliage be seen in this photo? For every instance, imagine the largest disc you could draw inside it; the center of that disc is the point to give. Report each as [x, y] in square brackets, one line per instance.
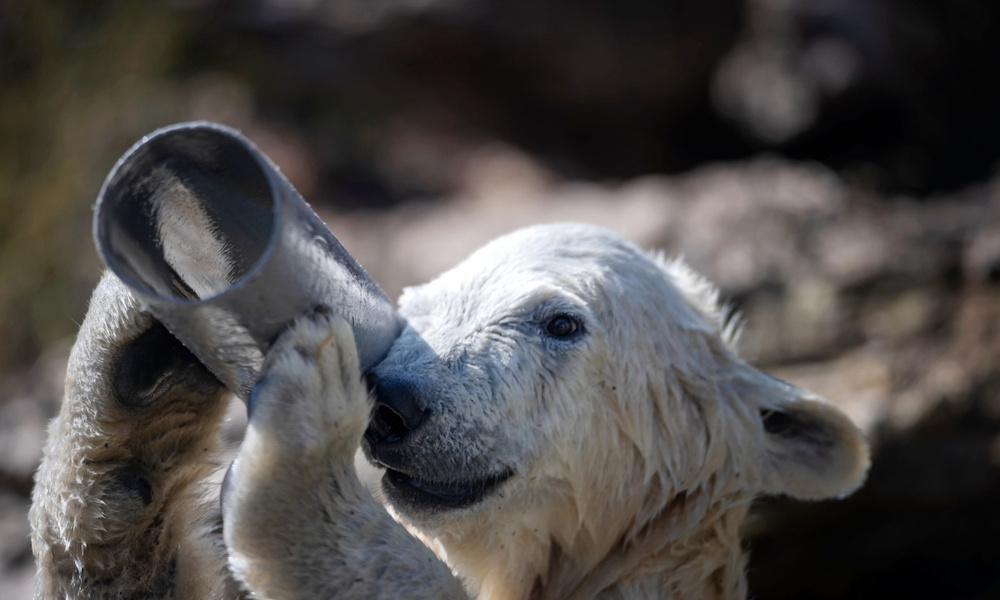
[366, 103]
[80, 81]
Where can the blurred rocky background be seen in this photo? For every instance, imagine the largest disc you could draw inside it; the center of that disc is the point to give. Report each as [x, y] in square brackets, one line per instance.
[831, 164]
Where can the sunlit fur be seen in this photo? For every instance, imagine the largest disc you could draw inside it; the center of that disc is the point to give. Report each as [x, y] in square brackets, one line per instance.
[635, 445]
[636, 448]
[92, 536]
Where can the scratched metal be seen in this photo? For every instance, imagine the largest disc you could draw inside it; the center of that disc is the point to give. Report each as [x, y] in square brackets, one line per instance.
[217, 245]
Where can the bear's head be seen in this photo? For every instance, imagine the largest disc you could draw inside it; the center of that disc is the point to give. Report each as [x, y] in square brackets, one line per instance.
[566, 382]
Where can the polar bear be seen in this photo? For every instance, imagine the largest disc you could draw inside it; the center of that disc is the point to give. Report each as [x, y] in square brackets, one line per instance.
[563, 416]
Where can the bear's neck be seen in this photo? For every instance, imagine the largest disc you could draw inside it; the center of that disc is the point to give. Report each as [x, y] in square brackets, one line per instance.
[706, 562]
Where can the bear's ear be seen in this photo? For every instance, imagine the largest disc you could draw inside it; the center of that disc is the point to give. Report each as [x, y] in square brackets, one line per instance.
[811, 449]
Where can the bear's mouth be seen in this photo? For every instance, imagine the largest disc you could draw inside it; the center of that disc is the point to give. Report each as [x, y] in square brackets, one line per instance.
[414, 492]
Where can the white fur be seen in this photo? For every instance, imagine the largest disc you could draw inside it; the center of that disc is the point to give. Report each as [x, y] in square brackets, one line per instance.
[641, 444]
[635, 447]
[201, 260]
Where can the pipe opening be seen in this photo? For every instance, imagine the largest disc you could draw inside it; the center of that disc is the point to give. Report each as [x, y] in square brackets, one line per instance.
[187, 214]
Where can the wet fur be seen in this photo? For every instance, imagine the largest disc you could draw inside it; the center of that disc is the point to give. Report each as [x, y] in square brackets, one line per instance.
[635, 448]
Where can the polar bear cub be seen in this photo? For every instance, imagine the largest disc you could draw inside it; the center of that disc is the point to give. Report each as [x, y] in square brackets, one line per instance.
[563, 417]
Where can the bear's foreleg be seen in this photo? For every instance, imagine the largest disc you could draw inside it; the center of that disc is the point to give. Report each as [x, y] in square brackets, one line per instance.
[298, 521]
[119, 509]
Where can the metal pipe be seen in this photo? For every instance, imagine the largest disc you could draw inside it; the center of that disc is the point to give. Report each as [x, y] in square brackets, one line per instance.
[219, 246]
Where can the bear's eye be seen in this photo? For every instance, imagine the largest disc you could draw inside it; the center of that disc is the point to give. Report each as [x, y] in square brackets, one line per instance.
[561, 326]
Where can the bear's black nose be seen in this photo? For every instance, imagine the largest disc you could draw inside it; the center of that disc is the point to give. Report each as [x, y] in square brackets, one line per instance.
[397, 411]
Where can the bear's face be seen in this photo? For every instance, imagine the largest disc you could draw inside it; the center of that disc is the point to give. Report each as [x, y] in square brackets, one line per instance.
[512, 370]
[560, 369]
[476, 371]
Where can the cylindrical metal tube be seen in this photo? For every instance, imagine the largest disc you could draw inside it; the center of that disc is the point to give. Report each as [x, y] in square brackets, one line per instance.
[219, 246]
